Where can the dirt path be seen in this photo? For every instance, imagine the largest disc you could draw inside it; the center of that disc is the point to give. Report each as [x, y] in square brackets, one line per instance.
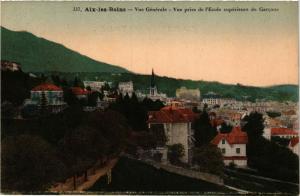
[99, 173]
[91, 179]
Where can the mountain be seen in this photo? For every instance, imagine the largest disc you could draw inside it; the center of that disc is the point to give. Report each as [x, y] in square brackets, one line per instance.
[38, 55]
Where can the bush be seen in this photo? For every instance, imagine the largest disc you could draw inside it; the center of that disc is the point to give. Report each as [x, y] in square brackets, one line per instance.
[175, 152]
[232, 165]
[209, 158]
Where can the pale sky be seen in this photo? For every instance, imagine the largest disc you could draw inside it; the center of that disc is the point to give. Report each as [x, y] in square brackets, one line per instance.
[258, 48]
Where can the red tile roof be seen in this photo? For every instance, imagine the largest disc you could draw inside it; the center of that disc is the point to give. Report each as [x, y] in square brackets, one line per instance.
[171, 114]
[79, 91]
[294, 141]
[46, 87]
[283, 131]
[236, 136]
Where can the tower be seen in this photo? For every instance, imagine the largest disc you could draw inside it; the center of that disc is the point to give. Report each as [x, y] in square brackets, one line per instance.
[153, 89]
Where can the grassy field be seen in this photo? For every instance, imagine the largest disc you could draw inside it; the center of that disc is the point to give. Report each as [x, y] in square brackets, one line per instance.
[135, 177]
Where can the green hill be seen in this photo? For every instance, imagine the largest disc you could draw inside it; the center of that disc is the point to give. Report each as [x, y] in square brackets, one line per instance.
[169, 85]
[38, 55]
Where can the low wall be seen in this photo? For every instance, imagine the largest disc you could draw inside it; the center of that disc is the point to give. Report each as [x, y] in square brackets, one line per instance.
[194, 174]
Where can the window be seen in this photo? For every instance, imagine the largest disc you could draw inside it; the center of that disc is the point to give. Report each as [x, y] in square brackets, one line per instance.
[223, 141]
[238, 150]
[223, 150]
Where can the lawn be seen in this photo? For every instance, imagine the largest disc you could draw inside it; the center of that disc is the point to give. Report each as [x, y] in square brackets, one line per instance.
[137, 177]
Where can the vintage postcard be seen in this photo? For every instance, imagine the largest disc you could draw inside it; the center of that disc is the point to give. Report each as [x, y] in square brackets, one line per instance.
[150, 97]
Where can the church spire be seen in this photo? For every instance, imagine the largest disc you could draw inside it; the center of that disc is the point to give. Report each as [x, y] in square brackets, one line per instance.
[152, 79]
[153, 89]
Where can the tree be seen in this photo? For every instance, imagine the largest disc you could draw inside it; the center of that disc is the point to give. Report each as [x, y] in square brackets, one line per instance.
[106, 87]
[254, 125]
[273, 114]
[29, 164]
[70, 98]
[266, 156]
[209, 159]
[88, 88]
[152, 105]
[113, 126]
[204, 131]
[225, 128]
[56, 80]
[281, 141]
[78, 83]
[43, 78]
[82, 147]
[92, 99]
[175, 152]
[8, 110]
[43, 104]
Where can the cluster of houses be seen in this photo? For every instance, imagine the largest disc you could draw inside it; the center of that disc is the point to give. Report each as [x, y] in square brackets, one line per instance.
[176, 118]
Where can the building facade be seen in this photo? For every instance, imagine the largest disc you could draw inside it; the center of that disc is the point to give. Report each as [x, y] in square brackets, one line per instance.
[96, 85]
[188, 94]
[283, 132]
[233, 146]
[126, 88]
[177, 127]
[48, 95]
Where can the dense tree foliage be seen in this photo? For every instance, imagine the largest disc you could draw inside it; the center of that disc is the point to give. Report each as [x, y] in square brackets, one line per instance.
[254, 125]
[28, 164]
[209, 159]
[16, 86]
[204, 131]
[266, 156]
[80, 138]
[225, 128]
[273, 114]
[281, 141]
[136, 111]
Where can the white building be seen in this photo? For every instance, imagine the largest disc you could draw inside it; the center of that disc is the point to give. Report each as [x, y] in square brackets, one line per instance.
[177, 127]
[126, 88]
[188, 94]
[48, 94]
[211, 98]
[12, 66]
[233, 146]
[267, 133]
[96, 85]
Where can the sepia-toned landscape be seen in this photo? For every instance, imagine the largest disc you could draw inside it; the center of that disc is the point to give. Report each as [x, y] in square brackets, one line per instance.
[149, 98]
